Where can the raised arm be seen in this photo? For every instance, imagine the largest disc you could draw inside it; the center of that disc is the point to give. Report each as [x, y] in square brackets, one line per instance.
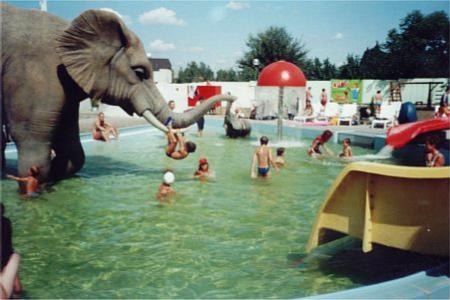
[20, 179]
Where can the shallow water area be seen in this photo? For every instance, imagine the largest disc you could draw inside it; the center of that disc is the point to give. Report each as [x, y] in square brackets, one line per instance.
[102, 234]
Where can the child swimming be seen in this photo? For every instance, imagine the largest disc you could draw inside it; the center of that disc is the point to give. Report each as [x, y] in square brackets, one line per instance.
[31, 181]
[279, 160]
[320, 141]
[184, 148]
[263, 158]
[347, 149]
[203, 169]
[165, 190]
[433, 157]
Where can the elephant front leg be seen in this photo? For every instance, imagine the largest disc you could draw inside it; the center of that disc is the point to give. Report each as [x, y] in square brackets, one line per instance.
[69, 158]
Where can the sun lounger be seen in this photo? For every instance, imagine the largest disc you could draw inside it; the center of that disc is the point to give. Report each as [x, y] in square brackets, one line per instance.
[348, 114]
[388, 115]
[331, 111]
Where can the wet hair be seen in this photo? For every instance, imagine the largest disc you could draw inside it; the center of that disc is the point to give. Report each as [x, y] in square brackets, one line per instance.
[326, 135]
[280, 151]
[34, 171]
[378, 91]
[348, 141]
[323, 90]
[432, 140]
[264, 140]
[190, 147]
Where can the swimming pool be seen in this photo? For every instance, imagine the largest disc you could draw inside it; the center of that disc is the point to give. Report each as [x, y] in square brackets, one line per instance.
[102, 234]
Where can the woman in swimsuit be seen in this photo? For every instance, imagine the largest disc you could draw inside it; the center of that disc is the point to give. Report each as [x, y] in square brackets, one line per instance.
[433, 157]
[102, 129]
[320, 141]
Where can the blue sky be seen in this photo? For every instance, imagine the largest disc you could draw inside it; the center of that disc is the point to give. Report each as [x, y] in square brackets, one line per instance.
[215, 32]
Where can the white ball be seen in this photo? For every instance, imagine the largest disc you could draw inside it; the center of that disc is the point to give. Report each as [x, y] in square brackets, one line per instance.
[169, 178]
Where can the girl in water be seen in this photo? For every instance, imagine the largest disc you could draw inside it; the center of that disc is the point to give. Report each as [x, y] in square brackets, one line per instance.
[203, 169]
[319, 142]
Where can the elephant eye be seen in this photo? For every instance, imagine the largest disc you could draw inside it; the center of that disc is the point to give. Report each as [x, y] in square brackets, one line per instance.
[140, 73]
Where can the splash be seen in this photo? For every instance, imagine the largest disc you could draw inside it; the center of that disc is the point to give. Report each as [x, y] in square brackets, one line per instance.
[384, 153]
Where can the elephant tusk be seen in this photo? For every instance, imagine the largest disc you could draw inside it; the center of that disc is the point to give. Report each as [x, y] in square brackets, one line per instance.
[154, 121]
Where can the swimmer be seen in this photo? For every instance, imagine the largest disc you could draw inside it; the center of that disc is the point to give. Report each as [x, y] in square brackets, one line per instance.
[263, 158]
[31, 182]
[203, 169]
[177, 139]
[165, 190]
[433, 157]
[347, 149]
[320, 141]
[279, 160]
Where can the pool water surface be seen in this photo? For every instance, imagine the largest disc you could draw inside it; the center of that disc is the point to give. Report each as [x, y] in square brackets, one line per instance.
[102, 234]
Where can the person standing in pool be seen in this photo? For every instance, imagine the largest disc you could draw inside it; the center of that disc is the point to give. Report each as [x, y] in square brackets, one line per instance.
[31, 181]
[319, 142]
[201, 121]
[279, 159]
[346, 149]
[263, 158]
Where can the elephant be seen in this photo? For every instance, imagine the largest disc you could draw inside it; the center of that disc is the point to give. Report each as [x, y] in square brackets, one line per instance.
[49, 66]
[235, 127]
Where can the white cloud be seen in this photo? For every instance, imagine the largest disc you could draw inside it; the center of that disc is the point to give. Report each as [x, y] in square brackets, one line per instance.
[126, 19]
[338, 36]
[161, 15]
[161, 46]
[218, 14]
[195, 49]
[234, 5]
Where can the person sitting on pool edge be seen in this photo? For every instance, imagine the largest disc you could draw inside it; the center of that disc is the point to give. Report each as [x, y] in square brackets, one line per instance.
[101, 129]
[31, 182]
[320, 141]
[174, 139]
[263, 158]
[346, 149]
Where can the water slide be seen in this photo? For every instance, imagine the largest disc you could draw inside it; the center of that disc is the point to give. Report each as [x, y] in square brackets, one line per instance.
[396, 206]
[399, 136]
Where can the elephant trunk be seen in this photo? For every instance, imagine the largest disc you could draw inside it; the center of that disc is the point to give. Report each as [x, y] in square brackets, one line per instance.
[151, 105]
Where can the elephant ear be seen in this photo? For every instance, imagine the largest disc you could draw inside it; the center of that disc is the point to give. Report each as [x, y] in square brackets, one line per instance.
[87, 47]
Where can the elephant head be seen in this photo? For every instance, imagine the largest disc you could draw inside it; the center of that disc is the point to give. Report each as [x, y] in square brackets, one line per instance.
[109, 63]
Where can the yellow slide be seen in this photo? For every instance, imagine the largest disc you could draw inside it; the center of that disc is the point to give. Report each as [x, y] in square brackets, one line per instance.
[396, 206]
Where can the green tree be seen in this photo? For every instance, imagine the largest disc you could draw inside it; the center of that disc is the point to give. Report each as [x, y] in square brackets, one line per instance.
[374, 63]
[329, 70]
[269, 46]
[194, 72]
[420, 46]
[226, 75]
[350, 69]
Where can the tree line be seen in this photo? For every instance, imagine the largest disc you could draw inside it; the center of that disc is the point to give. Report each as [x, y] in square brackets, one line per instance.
[419, 47]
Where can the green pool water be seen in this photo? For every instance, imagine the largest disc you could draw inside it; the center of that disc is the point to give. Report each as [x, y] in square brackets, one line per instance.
[102, 234]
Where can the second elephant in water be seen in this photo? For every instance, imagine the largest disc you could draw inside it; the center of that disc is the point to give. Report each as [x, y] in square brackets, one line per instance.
[234, 125]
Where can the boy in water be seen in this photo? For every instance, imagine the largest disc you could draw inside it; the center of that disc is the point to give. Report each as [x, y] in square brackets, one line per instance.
[184, 148]
[263, 157]
[347, 149]
[433, 157]
[279, 160]
[320, 141]
[165, 189]
[31, 182]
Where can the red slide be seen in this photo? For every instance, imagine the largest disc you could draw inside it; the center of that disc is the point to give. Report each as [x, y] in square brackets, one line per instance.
[401, 135]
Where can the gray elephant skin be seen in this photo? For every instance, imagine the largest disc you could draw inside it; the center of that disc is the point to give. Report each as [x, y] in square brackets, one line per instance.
[48, 66]
[235, 127]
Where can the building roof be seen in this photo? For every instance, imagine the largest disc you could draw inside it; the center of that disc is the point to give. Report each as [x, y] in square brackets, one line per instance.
[160, 63]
